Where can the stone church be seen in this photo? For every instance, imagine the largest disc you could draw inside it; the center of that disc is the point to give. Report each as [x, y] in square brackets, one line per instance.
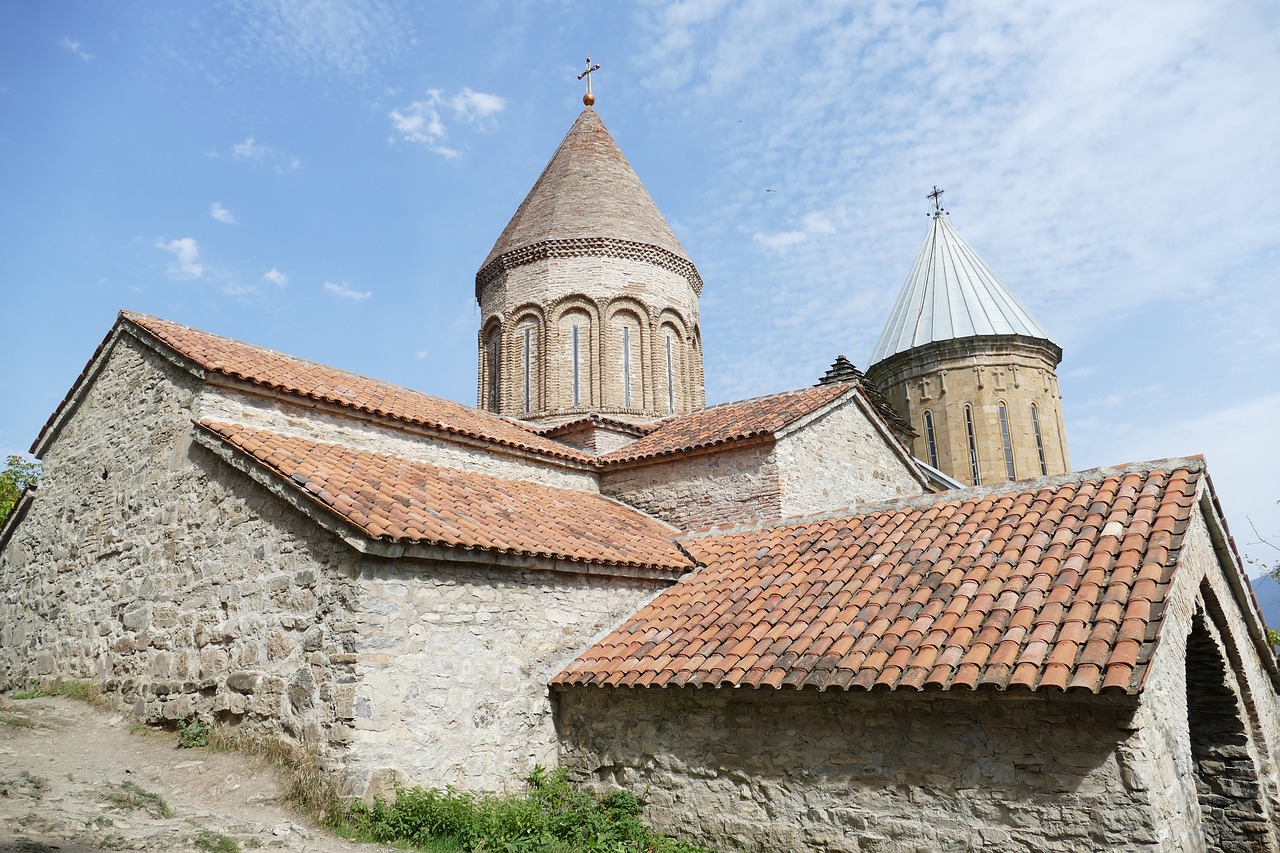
[878, 613]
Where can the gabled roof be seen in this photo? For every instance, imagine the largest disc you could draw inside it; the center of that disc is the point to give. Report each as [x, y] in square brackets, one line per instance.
[1060, 586]
[398, 500]
[588, 193]
[209, 354]
[950, 293]
[759, 416]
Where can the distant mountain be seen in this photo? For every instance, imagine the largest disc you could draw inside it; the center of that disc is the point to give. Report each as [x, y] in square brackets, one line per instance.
[1268, 592]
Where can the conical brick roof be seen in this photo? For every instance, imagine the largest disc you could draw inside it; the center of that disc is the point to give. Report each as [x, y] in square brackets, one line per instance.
[588, 192]
[951, 293]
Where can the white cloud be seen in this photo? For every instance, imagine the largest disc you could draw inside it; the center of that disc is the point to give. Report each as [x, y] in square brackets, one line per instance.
[814, 224]
[335, 38]
[220, 213]
[343, 290]
[421, 354]
[186, 253]
[74, 46]
[251, 149]
[422, 122]
[276, 277]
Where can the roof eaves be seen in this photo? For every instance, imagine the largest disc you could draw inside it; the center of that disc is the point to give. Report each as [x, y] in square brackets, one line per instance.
[577, 461]
[390, 547]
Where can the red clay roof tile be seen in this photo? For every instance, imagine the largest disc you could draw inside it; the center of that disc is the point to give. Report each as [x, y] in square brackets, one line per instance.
[310, 380]
[414, 502]
[993, 615]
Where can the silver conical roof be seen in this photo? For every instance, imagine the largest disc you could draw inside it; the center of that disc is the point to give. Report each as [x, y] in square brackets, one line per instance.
[949, 294]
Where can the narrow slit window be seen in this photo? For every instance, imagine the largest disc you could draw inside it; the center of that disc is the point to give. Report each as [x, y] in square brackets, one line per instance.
[930, 439]
[1008, 442]
[671, 388]
[493, 372]
[576, 371]
[528, 365]
[626, 366]
[1035, 427]
[973, 446]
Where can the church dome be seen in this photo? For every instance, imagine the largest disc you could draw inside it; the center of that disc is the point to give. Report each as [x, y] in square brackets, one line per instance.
[588, 201]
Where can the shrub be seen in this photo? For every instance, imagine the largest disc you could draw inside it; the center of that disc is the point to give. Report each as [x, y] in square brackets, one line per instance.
[192, 733]
[552, 818]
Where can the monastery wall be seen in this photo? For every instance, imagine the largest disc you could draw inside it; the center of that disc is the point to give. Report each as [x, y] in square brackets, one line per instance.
[174, 582]
[759, 771]
[696, 491]
[452, 665]
[1208, 716]
[289, 419]
[840, 460]
[183, 588]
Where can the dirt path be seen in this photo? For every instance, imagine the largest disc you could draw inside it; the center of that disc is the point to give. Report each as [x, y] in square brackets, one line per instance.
[73, 779]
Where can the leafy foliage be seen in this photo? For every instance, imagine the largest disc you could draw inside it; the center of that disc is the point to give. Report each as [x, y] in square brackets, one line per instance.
[552, 818]
[193, 733]
[17, 475]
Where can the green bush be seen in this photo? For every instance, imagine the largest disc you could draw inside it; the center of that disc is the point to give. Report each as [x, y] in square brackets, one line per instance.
[552, 818]
[193, 733]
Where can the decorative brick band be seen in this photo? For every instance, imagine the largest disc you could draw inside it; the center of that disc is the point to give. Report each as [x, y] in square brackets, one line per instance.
[589, 247]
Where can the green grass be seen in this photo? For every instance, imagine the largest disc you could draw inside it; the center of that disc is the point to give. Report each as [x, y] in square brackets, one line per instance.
[215, 842]
[85, 691]
[553, 817]
[130, 795]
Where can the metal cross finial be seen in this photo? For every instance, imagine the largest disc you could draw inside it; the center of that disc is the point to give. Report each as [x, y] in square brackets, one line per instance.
[936, 195]
[589, 98]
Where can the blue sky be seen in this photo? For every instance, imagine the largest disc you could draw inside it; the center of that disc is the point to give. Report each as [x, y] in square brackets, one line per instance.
[324, 178]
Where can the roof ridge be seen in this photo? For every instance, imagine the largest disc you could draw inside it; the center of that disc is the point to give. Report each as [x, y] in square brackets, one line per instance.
[1192, 464]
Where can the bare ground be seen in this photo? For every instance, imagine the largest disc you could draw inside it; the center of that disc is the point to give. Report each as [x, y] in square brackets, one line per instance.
[73, 778]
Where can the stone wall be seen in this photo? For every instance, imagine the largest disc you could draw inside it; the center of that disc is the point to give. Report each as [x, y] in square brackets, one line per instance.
[700, 490]
[182, 587]
[840, 460]
[173, 581]
[945, 377]
[453, 661]
[601, 295]
[283, 416]
[1182, 690]
[763, 770]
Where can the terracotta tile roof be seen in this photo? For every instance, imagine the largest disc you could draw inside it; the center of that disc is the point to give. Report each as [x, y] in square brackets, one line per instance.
[296, 376]
[1060, 587]
[728, 422]
[405, 501]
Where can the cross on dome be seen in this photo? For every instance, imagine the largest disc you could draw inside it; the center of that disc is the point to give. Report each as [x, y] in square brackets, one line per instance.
[589, 98]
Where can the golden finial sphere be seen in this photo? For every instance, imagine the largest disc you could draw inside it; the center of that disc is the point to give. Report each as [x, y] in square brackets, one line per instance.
[588, 99]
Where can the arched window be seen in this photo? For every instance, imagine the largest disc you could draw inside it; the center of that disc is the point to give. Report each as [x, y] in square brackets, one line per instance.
[973, 446]
[671, 362]
[929, 438]
[1008, 442]
[527, 351]
[1035, 427]
[490, 391]
[575, 334]
[624, 361]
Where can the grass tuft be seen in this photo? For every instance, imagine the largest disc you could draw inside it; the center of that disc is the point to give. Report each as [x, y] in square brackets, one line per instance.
[130, 795]
[85, 691]
[215, 842]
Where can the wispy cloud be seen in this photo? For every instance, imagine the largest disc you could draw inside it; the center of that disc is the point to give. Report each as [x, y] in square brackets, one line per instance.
[814, 224]
[274, 276]
[337, 38]
[422, 122]
[253, 151]
[186, 254]
[343, 290]
[220, 213]
[74, 46]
